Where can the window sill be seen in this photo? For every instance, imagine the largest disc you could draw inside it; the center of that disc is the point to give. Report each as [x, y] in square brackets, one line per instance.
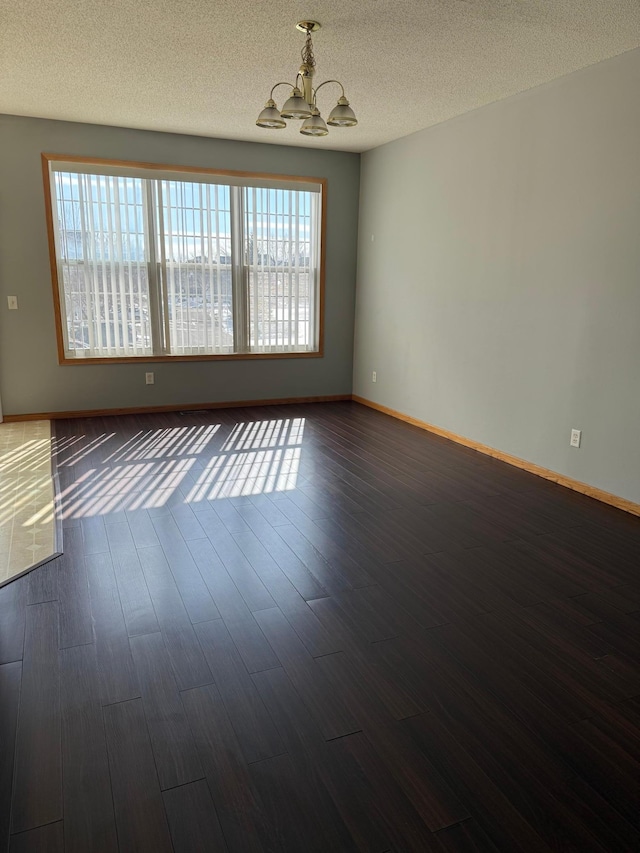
[146, 359]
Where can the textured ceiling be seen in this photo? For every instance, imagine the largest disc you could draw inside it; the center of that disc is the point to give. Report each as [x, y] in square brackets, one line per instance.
[206, 68]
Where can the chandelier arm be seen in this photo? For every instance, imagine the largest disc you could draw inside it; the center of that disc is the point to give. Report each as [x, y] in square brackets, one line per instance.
[282, 84]
[317, 89]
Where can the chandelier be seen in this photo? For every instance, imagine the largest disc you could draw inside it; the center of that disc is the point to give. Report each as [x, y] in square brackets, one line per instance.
[301, 103]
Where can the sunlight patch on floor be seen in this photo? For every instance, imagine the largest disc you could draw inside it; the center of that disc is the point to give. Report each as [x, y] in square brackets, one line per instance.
[183, 465]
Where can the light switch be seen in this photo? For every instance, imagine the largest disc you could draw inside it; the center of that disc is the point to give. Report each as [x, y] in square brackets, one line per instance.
[12, 302]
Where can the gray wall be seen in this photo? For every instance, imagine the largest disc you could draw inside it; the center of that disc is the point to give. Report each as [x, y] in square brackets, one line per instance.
[500, 298]
[31, 380]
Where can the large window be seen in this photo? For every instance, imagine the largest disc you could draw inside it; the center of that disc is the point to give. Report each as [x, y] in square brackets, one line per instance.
[154, 262]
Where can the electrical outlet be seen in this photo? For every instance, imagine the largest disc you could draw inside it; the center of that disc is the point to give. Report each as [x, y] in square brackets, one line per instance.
[12, 302]
[374, 376]
[149, 378]
[576, 435]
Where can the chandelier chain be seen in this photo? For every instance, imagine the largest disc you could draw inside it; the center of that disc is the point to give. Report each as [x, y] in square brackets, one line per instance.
[308, 58]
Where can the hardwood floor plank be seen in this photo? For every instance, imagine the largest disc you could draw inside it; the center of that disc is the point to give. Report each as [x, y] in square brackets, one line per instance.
[431, 796]
[606, 765]
[366, 614]
[626, 675]
[268, 510]
[389, 613]
[44, 839]
[89, 823]
[575, 672]
[232, 790]
[297, 572]
[462, 592]
[195, 595]
[333, 498]
[305, 673]
[433, 584]
[350, 791]
[171, 741]
[543, 804]
[42, 583]
[13, 601]
[394, 536]
[562, 573]
[388, 495]
[519, 762]
[402, 823]
[76, 621]
[138, 611]
[251, 721]
[465, 837]
[620, 634]
[137, 800]
[506, 827]
[210, 521]
[299, 731]
[229, 516]
[301, 617]
[610, 603]
[37, 790]
[622, 726]
[396, 580]
[351, 570]
[256, 652]
[189, 665]
[193, 820]
[299, 813]
[354, 532]
[486, 671]
[514, 576]
[118, 679]
[365, 666]
[606, 558]
[142, 530]
[519, 514]
[120, 537]
[187, 522]
[356, 466]
[329, 578]
[293, 501]
[565, 619]
[10, 678]
[231, 605]
[94, 534]
[249, 585]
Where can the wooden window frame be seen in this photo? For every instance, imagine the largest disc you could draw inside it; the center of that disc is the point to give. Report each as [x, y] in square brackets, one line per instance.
[195, 170]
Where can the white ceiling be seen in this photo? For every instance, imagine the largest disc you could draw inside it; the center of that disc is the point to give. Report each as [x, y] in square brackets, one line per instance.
[205, 67]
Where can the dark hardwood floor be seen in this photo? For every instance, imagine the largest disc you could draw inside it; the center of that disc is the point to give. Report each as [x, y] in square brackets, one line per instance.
[314, 628]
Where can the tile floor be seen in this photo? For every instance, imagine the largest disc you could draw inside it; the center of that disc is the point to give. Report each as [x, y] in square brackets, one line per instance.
[27, 518]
